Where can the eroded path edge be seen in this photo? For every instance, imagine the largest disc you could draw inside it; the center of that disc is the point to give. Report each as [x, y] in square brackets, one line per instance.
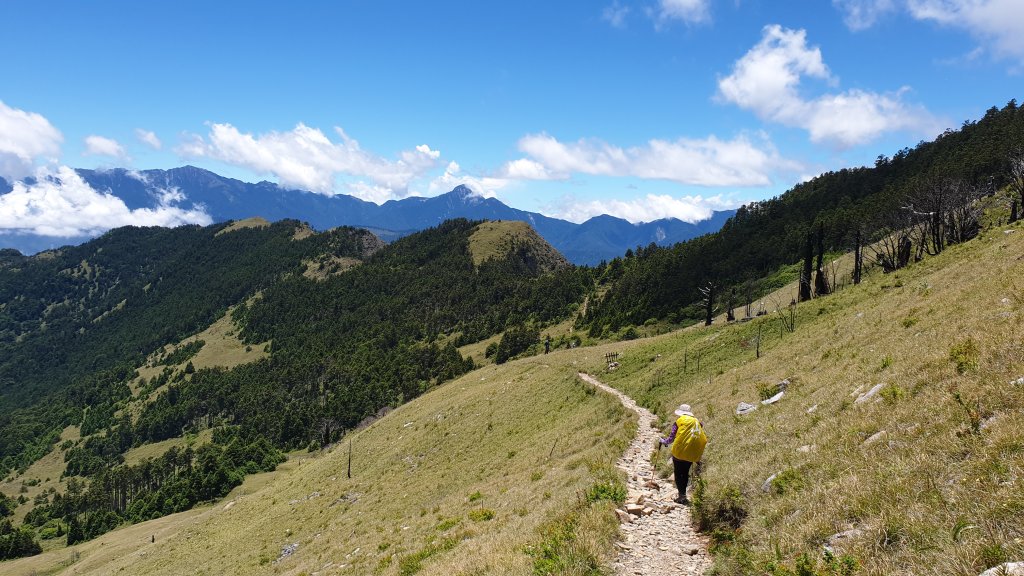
[656, 534]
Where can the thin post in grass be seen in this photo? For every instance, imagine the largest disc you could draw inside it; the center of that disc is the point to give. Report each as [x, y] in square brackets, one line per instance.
[552, 451]
[698, 361]
[349, 457]
[685, 358]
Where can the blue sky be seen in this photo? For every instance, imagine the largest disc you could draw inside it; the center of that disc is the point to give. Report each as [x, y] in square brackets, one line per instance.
[641, 109]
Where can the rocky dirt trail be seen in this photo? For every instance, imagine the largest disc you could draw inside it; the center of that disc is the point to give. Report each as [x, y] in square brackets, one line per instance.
[656, 534]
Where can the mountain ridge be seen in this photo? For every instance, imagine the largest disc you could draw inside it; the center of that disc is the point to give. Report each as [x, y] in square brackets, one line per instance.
[600, 238]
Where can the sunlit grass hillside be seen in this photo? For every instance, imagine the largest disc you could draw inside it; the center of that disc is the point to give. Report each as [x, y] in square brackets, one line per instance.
[924, 476]
[488, 474]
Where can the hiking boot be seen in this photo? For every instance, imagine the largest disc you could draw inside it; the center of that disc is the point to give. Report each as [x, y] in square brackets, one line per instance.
[682, 500]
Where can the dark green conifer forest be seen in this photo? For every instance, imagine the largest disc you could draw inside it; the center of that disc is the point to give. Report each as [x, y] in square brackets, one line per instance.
[76, 324]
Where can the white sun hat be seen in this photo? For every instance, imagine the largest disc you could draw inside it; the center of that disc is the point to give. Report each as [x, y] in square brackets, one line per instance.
[684, 409]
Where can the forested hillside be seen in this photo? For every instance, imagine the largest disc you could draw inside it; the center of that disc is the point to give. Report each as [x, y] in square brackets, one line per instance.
[344, 342]
[926, 194]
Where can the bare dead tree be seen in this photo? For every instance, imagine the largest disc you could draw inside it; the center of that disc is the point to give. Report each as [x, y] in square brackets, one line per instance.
[963, 219]
[892, 250]
[805, 274]
[821, 285]
[787, 315]
[832, 273]
[927, 206]
[858, 254]
[709, 292]
[748, 295]
[1017, 182]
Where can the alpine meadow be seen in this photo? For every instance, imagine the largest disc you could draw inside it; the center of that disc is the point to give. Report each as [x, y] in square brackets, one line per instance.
[461, 289]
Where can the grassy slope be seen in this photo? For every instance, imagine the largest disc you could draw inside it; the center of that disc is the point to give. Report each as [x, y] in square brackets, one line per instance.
[414, 476]
[496, 239]
[930, 495]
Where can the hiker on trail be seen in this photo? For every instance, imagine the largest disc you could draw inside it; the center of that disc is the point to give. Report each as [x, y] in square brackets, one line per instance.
[687, 440]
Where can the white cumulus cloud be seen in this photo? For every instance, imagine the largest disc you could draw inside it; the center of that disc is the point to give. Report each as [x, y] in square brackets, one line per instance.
[102, 146]
[996, 24]
[999, 24]
[689, 11]
[25, 137]
[60, 203]
[766, 80]
[862, 14]
[644, 209]
[703, 162]
[306, 158]
[485, 186]
[149, 138]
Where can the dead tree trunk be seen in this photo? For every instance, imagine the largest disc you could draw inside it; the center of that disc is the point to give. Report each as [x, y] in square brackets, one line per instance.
[1017, 180]
[729, 315]
[821, 285]
[805, 275]
[709, 292]
[858, 256]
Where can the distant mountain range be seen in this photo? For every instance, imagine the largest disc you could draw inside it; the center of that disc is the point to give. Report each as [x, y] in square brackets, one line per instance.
[600, 238]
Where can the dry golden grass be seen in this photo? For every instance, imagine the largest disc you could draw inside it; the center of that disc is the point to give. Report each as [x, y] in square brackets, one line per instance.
[521, 440]
[496, 239]
[222, 348]
[331, 266]
[255, 222]
[157, 449]
[43, 474]
[930, 494]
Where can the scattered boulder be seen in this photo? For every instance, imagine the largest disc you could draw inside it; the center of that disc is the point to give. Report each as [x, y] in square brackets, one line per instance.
[805, 448]
[812, 409]
[767, 485]
[634, 509]
[1018, 382]
[623, 516]
[784, 385]
[1006, 569]
[840, 537]
[876, 437]
[869, 394]
[774, 399]
[287, 551]
[744, 408]
[689, 550]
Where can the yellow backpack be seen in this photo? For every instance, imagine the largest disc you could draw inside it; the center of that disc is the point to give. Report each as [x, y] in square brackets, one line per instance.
[690, 439]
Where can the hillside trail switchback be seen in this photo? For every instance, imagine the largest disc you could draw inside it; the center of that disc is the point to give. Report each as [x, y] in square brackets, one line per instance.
[656, 534]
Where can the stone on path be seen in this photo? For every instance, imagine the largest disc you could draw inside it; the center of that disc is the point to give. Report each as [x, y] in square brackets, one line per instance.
[623, 516]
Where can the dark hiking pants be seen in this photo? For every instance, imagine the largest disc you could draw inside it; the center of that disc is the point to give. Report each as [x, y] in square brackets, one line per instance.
[681, 469]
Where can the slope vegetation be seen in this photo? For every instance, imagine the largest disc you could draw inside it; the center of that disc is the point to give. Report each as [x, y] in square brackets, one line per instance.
[897, 441]
[501, 471]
